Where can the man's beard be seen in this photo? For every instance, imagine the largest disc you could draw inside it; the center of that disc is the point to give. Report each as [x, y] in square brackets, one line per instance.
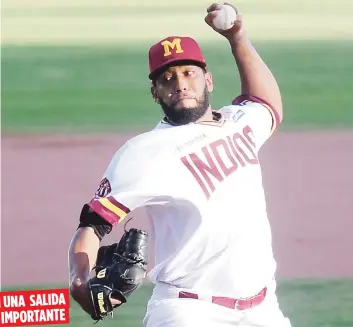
[185, 115]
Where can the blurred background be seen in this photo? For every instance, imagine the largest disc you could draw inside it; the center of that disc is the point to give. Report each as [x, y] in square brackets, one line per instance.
[75, 88]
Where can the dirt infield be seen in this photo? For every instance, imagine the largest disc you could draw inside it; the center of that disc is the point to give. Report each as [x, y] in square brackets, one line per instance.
[45, 181]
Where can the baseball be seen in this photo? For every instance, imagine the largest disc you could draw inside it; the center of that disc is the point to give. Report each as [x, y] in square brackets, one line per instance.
[225, 18]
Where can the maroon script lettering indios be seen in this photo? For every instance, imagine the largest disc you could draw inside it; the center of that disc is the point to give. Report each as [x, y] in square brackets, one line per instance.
[233, 152]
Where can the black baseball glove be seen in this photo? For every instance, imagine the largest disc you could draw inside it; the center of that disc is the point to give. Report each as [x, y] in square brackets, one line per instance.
[119, 269]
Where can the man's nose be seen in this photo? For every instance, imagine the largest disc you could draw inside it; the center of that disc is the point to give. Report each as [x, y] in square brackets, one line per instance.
[180, 84]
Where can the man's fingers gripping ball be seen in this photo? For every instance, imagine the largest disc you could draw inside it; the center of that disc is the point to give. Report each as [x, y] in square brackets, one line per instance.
[214, 6]
[224, 18]
[221, 17]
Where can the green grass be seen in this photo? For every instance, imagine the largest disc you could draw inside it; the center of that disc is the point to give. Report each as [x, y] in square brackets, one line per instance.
[308, 303]
[106, 88]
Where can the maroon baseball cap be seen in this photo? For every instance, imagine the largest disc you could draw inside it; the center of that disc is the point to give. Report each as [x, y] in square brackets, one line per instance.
[172, 50]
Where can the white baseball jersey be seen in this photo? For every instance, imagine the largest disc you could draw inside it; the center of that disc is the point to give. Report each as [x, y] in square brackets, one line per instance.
[201, 187]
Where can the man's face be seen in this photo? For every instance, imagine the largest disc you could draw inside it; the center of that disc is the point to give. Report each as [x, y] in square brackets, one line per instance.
[183, 93]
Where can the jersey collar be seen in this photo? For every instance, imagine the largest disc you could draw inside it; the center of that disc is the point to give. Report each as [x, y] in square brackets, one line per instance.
[218, 120]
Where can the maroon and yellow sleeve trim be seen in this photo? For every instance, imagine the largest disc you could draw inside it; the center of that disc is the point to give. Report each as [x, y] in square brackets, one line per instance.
[109, 209]
[274, 113]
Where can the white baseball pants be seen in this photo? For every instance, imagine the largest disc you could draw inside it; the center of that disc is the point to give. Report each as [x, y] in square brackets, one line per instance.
[164, 310]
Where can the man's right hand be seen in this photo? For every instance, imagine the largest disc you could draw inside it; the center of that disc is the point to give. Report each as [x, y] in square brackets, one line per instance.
[82, 257]
[80, 293]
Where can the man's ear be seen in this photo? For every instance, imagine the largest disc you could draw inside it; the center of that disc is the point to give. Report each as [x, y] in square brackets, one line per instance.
[209, 81]
[154, 94]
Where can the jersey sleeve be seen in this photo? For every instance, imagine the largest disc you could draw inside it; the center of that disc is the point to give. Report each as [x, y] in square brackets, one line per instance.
[125, 185]
[262, 118]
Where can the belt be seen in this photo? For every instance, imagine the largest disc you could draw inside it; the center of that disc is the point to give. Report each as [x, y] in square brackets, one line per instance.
[239, 304]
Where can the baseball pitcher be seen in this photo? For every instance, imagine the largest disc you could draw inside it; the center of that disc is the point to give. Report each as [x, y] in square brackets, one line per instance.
[197, 176]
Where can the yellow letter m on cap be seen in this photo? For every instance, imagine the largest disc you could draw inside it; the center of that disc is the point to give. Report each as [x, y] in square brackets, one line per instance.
[176, 43]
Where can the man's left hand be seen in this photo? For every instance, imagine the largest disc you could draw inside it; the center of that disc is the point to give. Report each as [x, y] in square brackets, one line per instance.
[235, 32]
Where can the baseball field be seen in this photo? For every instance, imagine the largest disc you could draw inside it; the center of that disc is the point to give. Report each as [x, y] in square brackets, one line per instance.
[75, 87]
